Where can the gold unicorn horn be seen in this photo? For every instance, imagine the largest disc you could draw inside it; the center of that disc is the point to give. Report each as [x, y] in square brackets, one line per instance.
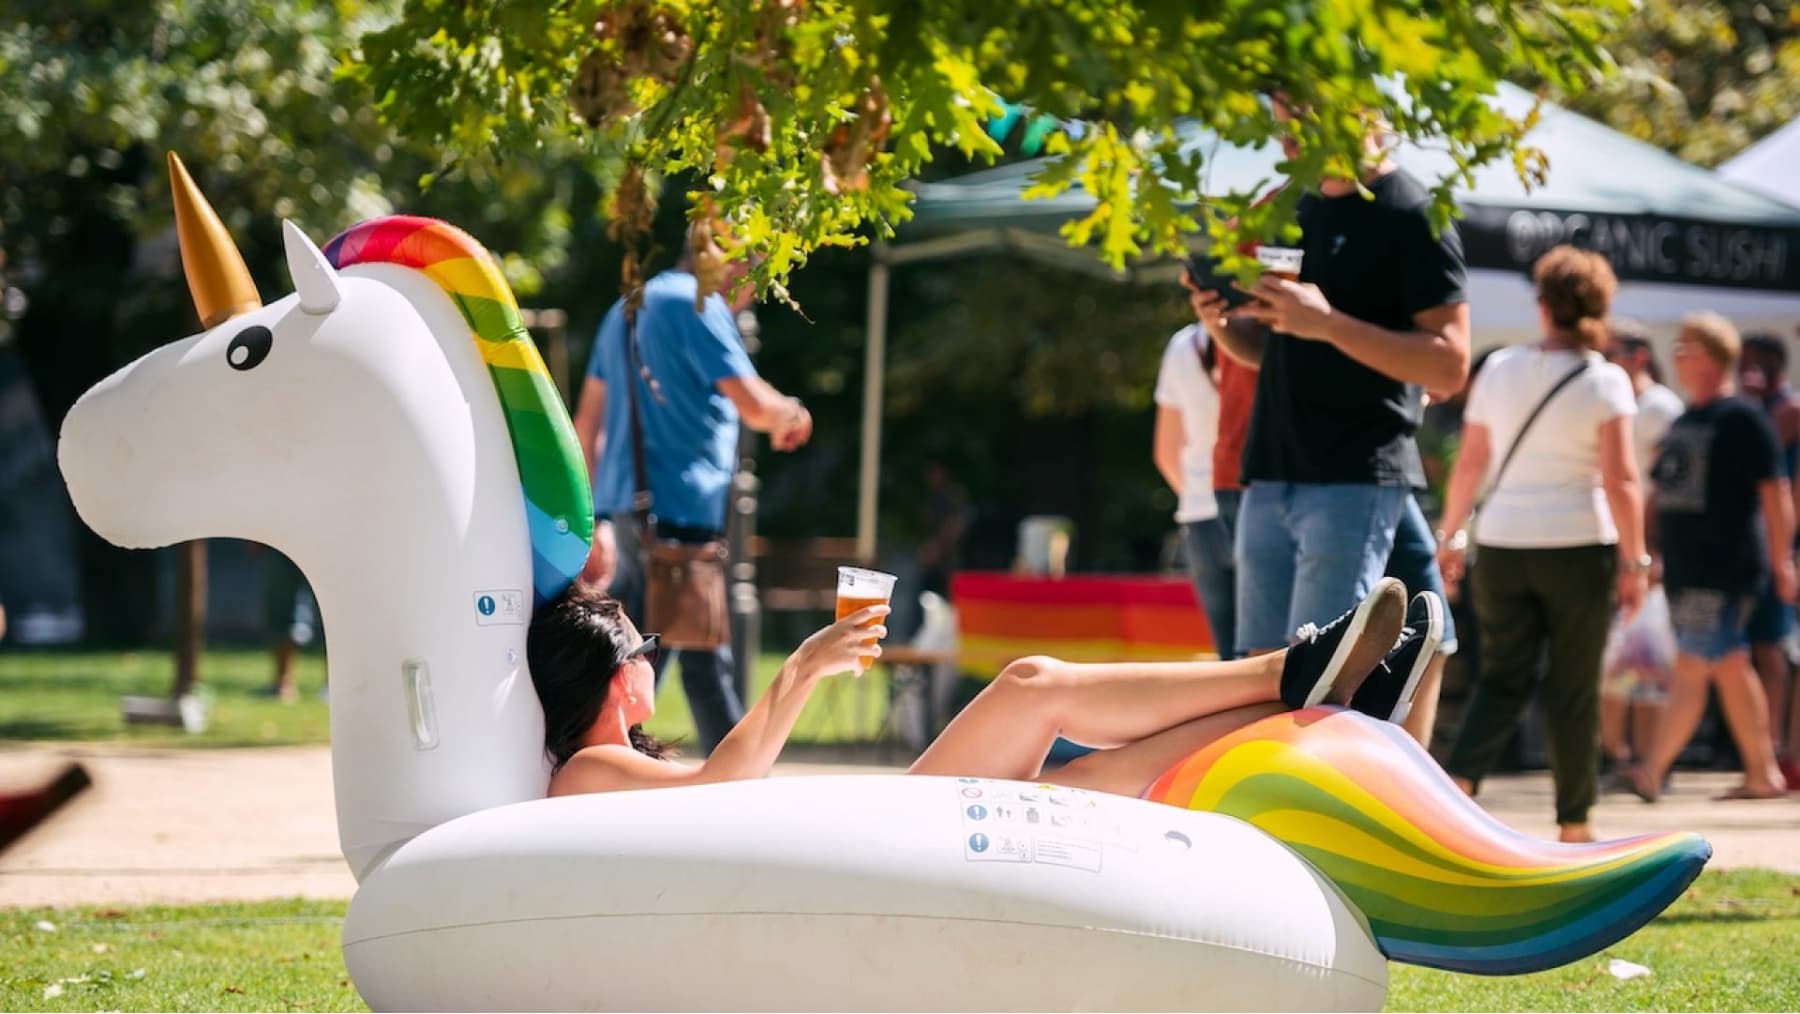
[215, 271]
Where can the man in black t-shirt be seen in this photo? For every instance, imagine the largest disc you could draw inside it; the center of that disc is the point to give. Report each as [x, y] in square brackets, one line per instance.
[1378, 316]
[1725, 520]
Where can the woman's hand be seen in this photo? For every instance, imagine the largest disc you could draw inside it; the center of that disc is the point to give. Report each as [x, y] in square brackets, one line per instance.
[1634, 583]
[842, 646]
[1453, 561]
[603, 558]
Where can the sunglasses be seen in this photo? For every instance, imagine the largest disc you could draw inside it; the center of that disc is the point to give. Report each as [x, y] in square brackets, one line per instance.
[647, 650]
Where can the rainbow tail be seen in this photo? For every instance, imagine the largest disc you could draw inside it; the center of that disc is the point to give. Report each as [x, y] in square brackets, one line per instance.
[1443, 884]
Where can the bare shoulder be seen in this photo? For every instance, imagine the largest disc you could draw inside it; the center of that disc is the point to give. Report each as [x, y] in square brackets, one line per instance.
[612, 768]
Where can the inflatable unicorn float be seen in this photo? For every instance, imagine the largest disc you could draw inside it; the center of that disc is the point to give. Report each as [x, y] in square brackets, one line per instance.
[391, 428]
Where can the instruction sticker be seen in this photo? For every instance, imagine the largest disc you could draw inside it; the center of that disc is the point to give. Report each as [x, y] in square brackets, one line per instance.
[982, 847]
[500, 607]
[1075, 855]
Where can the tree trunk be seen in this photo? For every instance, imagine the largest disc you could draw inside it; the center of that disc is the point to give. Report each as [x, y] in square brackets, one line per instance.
[190, 616]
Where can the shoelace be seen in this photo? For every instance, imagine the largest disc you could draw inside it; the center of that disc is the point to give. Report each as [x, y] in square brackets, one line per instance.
[1310, 632]
[1405, 632]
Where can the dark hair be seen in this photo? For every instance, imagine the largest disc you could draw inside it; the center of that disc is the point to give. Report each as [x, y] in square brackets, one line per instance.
[1576, 287]
[1771, 347]
[576, 642]
[1626, 338]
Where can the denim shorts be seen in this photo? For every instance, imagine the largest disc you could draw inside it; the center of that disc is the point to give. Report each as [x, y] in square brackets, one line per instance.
[1772, 620]
[1308, 552]
[1710, 624]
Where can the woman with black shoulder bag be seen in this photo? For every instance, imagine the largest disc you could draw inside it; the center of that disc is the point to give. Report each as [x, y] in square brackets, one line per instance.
[1559, 531]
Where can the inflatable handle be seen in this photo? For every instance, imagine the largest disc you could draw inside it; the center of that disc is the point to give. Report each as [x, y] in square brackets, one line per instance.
[1442, 883]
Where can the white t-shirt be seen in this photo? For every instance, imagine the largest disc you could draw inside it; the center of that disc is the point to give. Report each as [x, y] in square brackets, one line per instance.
[1657, 407]
[1182, 384]
[1550, 495]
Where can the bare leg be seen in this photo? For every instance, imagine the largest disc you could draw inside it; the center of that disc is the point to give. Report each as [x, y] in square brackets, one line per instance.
[1615, 710]
[1687, 702]
[1793, 727]
[1747, 713]
[1130, 769]
[1771, 666]
[1575, 833]
[284, 686]
[1646, 716]
[1007, 730]
[1423, 718]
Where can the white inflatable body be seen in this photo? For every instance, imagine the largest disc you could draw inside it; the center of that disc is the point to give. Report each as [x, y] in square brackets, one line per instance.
[362, 436]
[872, 892]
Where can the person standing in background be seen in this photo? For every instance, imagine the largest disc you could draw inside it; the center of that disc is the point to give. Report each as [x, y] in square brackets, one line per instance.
[1658, 405]
[1632, 704]
[1762, 375]
[1725, 517]
[946, 518]
[1413, 560]
[704, 385]
[1560, 534]
[1378, 313]
[1198, 421]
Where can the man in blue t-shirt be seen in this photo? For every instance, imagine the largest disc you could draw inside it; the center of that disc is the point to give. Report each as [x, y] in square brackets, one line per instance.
[705, 385]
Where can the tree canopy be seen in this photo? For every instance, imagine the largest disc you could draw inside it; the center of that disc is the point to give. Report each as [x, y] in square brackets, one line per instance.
[801, 119]
[248, 92]
[1703, 80]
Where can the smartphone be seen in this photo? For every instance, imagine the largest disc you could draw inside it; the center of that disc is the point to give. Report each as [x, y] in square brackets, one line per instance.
[1205, 273]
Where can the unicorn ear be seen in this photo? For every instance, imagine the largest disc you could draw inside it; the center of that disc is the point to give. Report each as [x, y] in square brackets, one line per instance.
[314, 278]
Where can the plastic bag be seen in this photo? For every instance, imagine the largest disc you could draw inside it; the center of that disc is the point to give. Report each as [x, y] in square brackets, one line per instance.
[1640, 655]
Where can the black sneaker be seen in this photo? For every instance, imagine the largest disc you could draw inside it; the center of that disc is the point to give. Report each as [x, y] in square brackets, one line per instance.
[1388, 692]
[1328, 663]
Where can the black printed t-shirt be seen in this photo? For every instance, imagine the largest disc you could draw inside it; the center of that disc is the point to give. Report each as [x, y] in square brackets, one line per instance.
[1320, 416]
[1708, 505]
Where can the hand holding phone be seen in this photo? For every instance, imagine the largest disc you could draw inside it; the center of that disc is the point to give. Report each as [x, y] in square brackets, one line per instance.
[1204, 273]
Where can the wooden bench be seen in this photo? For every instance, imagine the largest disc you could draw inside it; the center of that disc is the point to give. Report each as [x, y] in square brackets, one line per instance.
[799, 575]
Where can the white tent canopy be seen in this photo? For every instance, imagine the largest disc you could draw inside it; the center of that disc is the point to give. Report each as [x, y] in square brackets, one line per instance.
[1682, 238]
[1771, 166]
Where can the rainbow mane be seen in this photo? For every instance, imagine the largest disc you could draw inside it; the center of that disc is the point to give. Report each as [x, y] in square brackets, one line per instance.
[559, 503]
[1442, 883]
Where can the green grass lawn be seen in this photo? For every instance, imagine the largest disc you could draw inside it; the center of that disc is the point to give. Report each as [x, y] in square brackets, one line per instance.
[55, 695]
[1728, 945]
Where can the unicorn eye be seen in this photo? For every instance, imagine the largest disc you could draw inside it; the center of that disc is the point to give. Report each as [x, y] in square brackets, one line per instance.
[249, 348]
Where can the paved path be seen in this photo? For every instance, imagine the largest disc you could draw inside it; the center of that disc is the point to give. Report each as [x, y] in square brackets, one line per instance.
[182, 826]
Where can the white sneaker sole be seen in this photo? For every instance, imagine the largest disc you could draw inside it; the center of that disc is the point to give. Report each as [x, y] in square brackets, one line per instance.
[1352, 635]
[1434, 637]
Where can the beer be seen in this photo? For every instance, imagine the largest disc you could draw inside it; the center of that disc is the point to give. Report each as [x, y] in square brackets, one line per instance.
[1281, 261]
[859, 589]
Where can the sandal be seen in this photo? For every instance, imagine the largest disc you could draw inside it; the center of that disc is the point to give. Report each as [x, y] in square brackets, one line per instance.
[1746, 792]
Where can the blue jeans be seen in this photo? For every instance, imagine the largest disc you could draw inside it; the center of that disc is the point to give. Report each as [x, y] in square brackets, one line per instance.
[1414, 562]
[1211, 547]
[1307, 552]
[706, 676]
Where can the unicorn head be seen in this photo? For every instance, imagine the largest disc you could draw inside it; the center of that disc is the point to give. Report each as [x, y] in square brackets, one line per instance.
[391, 428]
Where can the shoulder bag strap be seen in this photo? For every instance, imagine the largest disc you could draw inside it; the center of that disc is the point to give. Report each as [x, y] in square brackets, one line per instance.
[1519, 437]
[1205, 350]
[1208, 359]
[640, 496]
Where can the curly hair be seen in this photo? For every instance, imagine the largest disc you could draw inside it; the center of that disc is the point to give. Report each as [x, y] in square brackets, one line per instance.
[1576, 287]
[575, 644]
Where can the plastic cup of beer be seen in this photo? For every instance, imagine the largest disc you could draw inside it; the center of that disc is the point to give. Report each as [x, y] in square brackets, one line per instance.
[1281, 261]
[859, 589]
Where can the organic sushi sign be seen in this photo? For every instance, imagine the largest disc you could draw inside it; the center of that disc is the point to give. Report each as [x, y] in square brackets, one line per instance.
[1651, 248]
